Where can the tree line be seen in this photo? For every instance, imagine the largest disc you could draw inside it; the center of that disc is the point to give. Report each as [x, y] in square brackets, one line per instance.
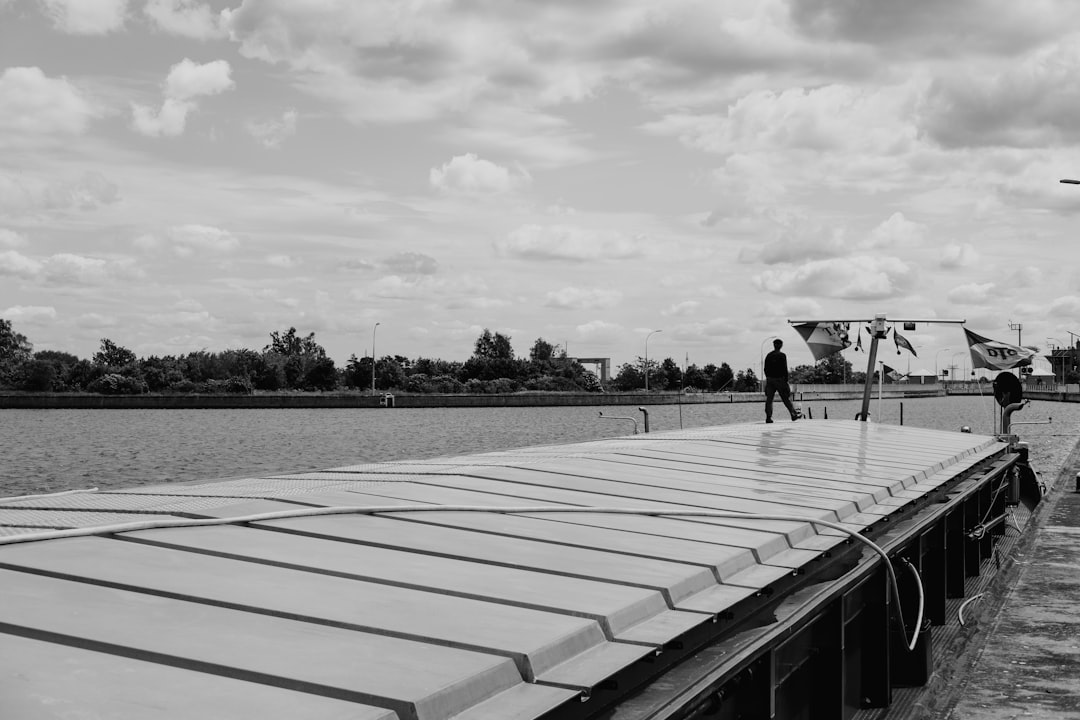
[294, 362]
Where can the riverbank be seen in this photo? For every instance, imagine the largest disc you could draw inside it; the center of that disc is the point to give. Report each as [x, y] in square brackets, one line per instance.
[313, 400]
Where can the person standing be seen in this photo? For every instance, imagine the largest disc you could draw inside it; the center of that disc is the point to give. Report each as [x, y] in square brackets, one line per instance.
[776, 381]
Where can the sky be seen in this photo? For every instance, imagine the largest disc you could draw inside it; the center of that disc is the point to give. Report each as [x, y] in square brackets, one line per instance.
[676, 178]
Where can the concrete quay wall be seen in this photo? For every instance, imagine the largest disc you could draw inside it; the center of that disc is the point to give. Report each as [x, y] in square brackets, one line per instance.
[355, 400]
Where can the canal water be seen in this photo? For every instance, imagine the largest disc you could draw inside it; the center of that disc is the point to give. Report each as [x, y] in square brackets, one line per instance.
[55, 450]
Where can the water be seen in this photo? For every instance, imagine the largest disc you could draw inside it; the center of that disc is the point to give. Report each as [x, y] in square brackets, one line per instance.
[54, 450]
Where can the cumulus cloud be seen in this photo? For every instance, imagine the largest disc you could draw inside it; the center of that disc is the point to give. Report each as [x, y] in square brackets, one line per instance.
[854, 278]
[96, 321]
[411, 263]
[271, 133]
[955, 256]
[825, 119]
[1067, 306]
[189, 240]
[187, 18]
[572, 298]
[1028, 104]
[186, 81]
[896, 233]
[422, 287]
[568, 242]
[600, 331]
[804, 240]
[66, 269]
[11, 239]
[30, 314]
[86, 17]
[28, 196]
[32, 103]
[686, 307]
[471, 174]
[971, 293]
[282, 261]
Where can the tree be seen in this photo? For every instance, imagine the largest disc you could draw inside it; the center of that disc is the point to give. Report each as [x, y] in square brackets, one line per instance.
[721, 378]
[300, 361]
[673, 375]
[493, 347]
[747, 381]
[112, 355]
[15, 350]
[629, 377]
[542, 352]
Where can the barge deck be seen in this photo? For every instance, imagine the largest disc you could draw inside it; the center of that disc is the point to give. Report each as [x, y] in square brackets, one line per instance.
[734, 571]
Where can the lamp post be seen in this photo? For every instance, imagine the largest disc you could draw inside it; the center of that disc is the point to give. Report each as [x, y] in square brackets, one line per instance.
[936, 370]
[373, 358]
[647, 357]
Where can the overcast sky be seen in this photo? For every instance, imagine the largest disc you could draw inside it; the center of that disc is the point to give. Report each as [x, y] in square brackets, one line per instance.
[180, 175]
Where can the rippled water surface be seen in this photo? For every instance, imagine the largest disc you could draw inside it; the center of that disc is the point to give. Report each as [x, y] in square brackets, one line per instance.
[54, 450]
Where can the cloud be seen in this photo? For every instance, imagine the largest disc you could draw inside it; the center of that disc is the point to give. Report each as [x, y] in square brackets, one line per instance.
[896, 233]
[30, 314]
[282, 261]
[411, 263]
[801, 239]
[271, 133]
[1067, 306]
[422, 287]
[686, 307]
[11, 239]
[600, 331]
[96, 321]
[186, 81]
[854, 278]
[89, 191]
[955, 256]
[86, 17]
[1027, 104]
[33, 104]
[972, 293]
[571, 298]
[471, 174]
[187, 240]
[567, 242]
[66, 269]
[186, 18]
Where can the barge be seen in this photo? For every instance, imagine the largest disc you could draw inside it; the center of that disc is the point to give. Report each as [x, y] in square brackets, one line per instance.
[791, 570]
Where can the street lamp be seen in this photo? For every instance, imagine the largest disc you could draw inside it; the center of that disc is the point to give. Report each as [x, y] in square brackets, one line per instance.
[373, 358]
[647, 357]
[936, 371]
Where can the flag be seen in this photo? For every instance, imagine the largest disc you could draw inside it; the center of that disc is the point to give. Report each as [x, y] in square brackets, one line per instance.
[825, 338]
[902, 342]
[994, 355]
[891, 373]
[858, 342]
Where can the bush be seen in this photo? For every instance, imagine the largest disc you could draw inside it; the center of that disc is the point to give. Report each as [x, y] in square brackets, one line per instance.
[234, 385]
[116, 384]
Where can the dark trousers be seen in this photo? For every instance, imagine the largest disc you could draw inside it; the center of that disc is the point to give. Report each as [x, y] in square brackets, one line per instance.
[773, 386]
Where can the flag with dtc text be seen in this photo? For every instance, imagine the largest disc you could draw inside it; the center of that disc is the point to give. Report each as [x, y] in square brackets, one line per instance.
[995, 355]
[825, 338]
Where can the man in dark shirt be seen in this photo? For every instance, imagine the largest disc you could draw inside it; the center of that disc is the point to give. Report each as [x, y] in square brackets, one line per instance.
[776, 381]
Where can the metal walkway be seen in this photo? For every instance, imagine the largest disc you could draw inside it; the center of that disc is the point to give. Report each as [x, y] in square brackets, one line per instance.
[464, 613]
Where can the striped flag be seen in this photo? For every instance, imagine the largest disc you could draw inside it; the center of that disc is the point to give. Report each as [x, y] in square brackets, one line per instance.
[825, 338]
[995, 355]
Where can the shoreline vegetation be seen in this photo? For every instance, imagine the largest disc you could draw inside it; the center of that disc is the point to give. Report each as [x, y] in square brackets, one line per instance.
[293, 363]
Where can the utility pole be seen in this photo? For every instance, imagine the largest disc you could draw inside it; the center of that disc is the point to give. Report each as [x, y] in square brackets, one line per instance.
[1018, 327]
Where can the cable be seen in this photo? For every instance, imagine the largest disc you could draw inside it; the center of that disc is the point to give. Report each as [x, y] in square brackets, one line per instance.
[371, 510]
[960, 612]
[922, 601]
